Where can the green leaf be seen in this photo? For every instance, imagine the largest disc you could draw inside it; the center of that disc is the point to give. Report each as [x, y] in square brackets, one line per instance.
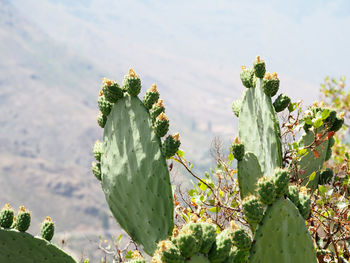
[215, 209]
[301, 152]
[292, 106]
[325, 114]
[181, 153]
[230, 158]
[322, 189]
[129, 255]
[191, 192]
[203, 187]
[312, 176]
[308, 121]
[318, 123]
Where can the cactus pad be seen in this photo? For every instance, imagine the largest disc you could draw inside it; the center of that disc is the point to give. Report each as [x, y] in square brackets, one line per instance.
[135, 176]
[282, 236]
[22, 247]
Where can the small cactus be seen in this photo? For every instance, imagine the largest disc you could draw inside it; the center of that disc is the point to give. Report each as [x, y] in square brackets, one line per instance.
[270, 84]
[111, 90]
[170, 145]
[247, 76]
[266, 190]
[238, 149]
[161, 125]
[259, 67]
[6, 216]
[151, 96]
[47, 229]
[23, 219]
[132, 83]
[157, 109]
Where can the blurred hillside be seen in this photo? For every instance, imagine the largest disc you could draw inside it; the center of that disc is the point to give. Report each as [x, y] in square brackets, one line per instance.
[48, 126]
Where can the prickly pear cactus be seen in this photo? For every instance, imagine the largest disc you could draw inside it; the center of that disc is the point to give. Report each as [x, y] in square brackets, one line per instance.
[132, 163]
[280, 233]
[198, 242]
[19, 246]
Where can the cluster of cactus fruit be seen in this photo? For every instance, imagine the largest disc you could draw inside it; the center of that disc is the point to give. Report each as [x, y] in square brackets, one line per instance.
[18, 246]
[131, 166]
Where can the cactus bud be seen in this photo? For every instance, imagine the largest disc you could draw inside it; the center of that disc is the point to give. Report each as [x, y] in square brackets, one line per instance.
[270, 84]
[111, 90]
[96, 170]
[187, 243]
[304, 204]
[171, 145]
[236, 107]
[253, 210]
[259, 67]
[101, 120]
[247, 76]
[132, 83]
[97, 150]
[241, 239]
[221, 247]
[151, 96]
[23, 219]
[281, 180]
[104, 106]
[281, 102]
[157, 109]
[161, 125]
[293, 194]
[238, 149]
[266, 190]
[208, 237]
[6, 216]
[167, 252]
[47, 229]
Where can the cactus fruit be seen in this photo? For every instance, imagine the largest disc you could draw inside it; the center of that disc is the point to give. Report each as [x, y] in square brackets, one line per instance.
[97, 150]
[167, 252]
[161, 125]
[170, 145]
[22, 247]
[293, 194]
[281, 179]
[111, 90]
[101, 120]
[221, 247]
[23, 219]
[208, 237]
[104, 106]
[266, 190]
[247, 76]
[132, 83]
[282, 236]
[241, 239]
[151, 96]
[253, 210]
[326, 176]
[6, 216]
[238, 149]
[259, 67]
[236, 107]
[157, 109]
[270, 84]
[47, 229]
[281, 102]
[96, 170]
[134, 173]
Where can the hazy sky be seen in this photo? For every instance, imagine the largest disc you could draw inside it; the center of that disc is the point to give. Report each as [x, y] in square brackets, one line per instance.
[197, 47]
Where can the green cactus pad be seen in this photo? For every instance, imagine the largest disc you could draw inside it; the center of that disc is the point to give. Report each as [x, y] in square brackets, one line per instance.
[6, 216]
[135, 176]
[266, 190]
[312, 163]
[104, 106]
[101, 120]
[47, 229]
[23, 219]
[247, 76]
[221, 247]
[282, 236]
[111, 90]
[259, 129]
[199, 258]
[151, 96]
[208, 237]
[331, 142]
[281, 102]
[281, 180]
[96, 170]
[22, 247]
[248, 172]
[338, 123]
